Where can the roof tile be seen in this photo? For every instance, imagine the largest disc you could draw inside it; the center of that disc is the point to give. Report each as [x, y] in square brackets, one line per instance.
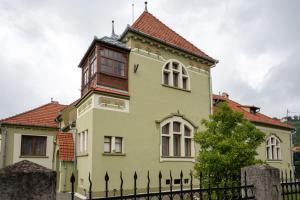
[150, 25]
[41, 116]
[66, 146]
[257, 117]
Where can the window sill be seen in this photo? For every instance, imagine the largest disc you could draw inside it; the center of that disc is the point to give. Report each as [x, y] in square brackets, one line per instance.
[181, 89]
[31, 156]
[114, 154]
[274, 161]
[82, 155]
[176, 159]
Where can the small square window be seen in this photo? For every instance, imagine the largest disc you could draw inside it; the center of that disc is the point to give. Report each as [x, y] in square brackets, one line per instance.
[186, 181]
[176, 181]
[168, 181]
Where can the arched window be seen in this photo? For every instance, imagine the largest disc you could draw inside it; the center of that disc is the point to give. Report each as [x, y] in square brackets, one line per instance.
[175, 74]
[177, 138]
[273, 148]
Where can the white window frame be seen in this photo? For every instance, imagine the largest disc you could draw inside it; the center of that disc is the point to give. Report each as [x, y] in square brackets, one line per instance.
[83, 142]
[171, 71]
[273, 149]
[113, 145]
[182, 156]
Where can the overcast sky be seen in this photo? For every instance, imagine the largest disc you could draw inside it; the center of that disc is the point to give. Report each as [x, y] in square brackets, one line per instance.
[257, 43]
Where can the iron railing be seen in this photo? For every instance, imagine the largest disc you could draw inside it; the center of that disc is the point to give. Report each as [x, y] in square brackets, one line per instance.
[227, 189]
[290, 186]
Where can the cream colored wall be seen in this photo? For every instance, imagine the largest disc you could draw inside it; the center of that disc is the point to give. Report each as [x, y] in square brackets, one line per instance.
[46, 161]
[149, 101]
[84, 162]
[285, 145]
[13, 146]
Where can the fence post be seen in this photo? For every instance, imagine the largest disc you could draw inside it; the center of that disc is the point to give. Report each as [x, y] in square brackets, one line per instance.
[265, 179]
[72, 180]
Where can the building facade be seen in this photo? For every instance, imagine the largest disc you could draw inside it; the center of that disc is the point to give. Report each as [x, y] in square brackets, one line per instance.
[277, 148]
[143, 97]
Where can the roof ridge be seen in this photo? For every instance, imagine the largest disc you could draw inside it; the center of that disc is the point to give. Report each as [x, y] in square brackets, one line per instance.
[33, 109]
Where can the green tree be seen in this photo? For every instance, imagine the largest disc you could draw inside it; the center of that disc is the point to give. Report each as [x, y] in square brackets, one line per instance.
[227, 144]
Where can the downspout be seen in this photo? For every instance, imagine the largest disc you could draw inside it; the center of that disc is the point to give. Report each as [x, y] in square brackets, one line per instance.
[74, 133]
[3, 145]
[210, 87]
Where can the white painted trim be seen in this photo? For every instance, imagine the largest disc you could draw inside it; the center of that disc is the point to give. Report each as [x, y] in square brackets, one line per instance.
[171, 151]
[178, 71]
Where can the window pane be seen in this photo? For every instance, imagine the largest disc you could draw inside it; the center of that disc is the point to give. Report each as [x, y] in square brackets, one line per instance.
[106, 65]
[175, 65]
[187, 147]
[120, 69]
[268, 153]
[165, 129]
[107, 144]
[40, 146]
[167, 66]
[176, 145]
[166, 78]
[175, 79]
[187, 131]
[165, 146]
[176, 126]
[184, 83]
[26, 145]
[118, 145]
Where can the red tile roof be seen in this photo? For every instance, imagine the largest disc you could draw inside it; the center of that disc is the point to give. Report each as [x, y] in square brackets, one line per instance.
[41, 116]
[257, 117]
[66, 146]
[150, 25]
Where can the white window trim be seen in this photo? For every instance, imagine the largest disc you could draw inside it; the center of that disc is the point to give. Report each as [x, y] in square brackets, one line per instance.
[83, 142]
[113, 145]
[180, 74]
[276, 157]
[171, 151]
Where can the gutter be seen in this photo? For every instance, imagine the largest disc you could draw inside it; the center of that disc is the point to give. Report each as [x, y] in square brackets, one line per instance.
[3, 131]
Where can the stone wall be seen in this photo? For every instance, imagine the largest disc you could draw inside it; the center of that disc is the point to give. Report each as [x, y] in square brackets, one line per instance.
[27, 180]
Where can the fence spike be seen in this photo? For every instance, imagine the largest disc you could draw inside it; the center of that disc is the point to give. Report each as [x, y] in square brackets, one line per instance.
[106, 178]
[181, 185]
[159, 177]
[121, 186]
[90, 188]
[171, 185]
[148, 185]
[135, 187]
[72, 180]
[191, 185]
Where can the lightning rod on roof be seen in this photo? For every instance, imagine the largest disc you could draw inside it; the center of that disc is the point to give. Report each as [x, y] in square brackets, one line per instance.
[146, 9]
[132, 12]
[113, 28]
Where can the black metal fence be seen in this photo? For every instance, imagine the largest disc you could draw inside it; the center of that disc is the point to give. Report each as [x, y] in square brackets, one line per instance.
[226, 189]
[290, 186]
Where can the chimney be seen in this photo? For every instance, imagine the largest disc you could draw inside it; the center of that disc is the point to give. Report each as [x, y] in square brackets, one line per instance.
[225, 95]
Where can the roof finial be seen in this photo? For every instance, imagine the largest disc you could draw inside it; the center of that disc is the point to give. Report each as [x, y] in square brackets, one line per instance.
[146, 9]
[113, 28]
